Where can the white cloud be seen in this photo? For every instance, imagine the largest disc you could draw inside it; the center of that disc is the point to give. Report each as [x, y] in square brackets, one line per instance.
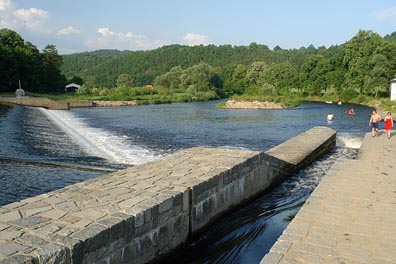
[119, 40]
[195, 39]
[32, 19]
[386, 14]
[5, 5]
[68, 31]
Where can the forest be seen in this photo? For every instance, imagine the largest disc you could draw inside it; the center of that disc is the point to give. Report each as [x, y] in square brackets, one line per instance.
[361, 67]
[21, 60]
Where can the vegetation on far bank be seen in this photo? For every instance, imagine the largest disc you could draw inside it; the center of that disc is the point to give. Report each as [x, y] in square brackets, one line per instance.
[358, 71]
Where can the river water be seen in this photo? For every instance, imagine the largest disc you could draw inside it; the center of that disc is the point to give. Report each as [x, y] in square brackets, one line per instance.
[43, 150]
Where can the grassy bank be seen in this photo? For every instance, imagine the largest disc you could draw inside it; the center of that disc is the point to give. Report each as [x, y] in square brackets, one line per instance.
[293, 100]
[142, 95]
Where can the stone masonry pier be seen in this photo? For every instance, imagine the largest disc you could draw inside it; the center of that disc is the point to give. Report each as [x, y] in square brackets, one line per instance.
[351, 216]
[139, 214]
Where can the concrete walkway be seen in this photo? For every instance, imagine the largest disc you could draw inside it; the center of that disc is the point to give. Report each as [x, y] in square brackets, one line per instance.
[351, 215]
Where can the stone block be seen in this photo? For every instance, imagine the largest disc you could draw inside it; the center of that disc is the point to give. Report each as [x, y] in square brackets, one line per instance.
[10, 216]
[48, 229]
[138, 215]
[132, 201]
[33, 211]
[200, 191]
[165, 203]
[82, 223]
[52, 253]
[31, 222]
[54, 213]
[10, 234]
[93, 237]
[73, 246]
[11, 248]
[117, 227]
[30, 240]
[20, 259]
[90, 214]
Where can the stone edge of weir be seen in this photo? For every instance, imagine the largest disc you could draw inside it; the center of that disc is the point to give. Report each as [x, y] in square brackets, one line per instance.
[147, 211]
[46, 102]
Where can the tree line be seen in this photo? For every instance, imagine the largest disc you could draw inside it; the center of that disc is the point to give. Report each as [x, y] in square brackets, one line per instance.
[362, 66]
[21, 61]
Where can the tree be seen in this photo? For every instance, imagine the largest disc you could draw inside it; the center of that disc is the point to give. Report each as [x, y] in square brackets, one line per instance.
[234, 80]
[53, 80]
[10, 61]
[19, 60]
[199, 78]
[358, 52]
[124, 80]
[376, 81]
[282, 76]
[171, 79]
[77, 80]
[254, 72]
[307, 75]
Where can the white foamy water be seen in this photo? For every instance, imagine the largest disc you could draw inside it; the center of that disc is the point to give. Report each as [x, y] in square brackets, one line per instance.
[349, 140]
[98, 142]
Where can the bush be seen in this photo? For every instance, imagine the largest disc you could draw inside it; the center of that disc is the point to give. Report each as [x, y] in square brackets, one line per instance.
[348, 95]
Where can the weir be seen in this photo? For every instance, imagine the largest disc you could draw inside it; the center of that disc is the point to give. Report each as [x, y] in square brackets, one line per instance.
[141, 213]
[45, 102]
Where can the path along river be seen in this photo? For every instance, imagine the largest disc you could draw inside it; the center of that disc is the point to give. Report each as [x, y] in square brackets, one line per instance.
[42, 150]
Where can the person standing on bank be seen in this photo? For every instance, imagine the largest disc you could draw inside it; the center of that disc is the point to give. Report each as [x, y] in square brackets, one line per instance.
[375, 118]
[388, 124]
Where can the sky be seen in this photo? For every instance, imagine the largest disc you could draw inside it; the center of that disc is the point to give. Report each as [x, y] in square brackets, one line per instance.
[88, 25]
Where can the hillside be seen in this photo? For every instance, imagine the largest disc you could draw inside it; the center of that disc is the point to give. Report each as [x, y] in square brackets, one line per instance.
[105, 66]
[360, 68]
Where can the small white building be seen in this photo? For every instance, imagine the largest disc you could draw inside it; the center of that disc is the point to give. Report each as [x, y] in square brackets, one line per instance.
[72, 88]
[393, 90]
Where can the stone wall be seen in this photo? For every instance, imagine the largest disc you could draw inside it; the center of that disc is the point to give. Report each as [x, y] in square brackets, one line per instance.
[140, 213]
[36, 102]
[80, 103]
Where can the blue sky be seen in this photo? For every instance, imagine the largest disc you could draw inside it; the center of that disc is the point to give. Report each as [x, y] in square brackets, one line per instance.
[86, 25]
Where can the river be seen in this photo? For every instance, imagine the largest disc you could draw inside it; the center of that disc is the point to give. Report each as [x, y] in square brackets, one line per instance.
[43, 150]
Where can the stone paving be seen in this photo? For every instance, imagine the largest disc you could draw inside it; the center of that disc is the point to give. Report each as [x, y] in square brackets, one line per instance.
[351, 215]
[109, 208]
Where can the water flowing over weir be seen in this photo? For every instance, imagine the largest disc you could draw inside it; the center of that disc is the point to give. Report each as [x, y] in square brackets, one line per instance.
[99, 142]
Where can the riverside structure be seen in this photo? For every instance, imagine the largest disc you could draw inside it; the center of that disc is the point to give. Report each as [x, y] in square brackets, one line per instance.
[45, 102]
[350, 216]
[139, 214]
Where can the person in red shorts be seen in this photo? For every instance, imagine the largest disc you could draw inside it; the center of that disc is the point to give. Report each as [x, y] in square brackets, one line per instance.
[388, 124]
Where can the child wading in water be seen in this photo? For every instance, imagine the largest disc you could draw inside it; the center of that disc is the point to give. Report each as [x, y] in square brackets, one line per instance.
[388, 124]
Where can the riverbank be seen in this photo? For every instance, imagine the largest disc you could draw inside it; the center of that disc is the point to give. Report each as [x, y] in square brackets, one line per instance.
[382, 105]
[252, 105]
[62, 105]
[113, 103]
